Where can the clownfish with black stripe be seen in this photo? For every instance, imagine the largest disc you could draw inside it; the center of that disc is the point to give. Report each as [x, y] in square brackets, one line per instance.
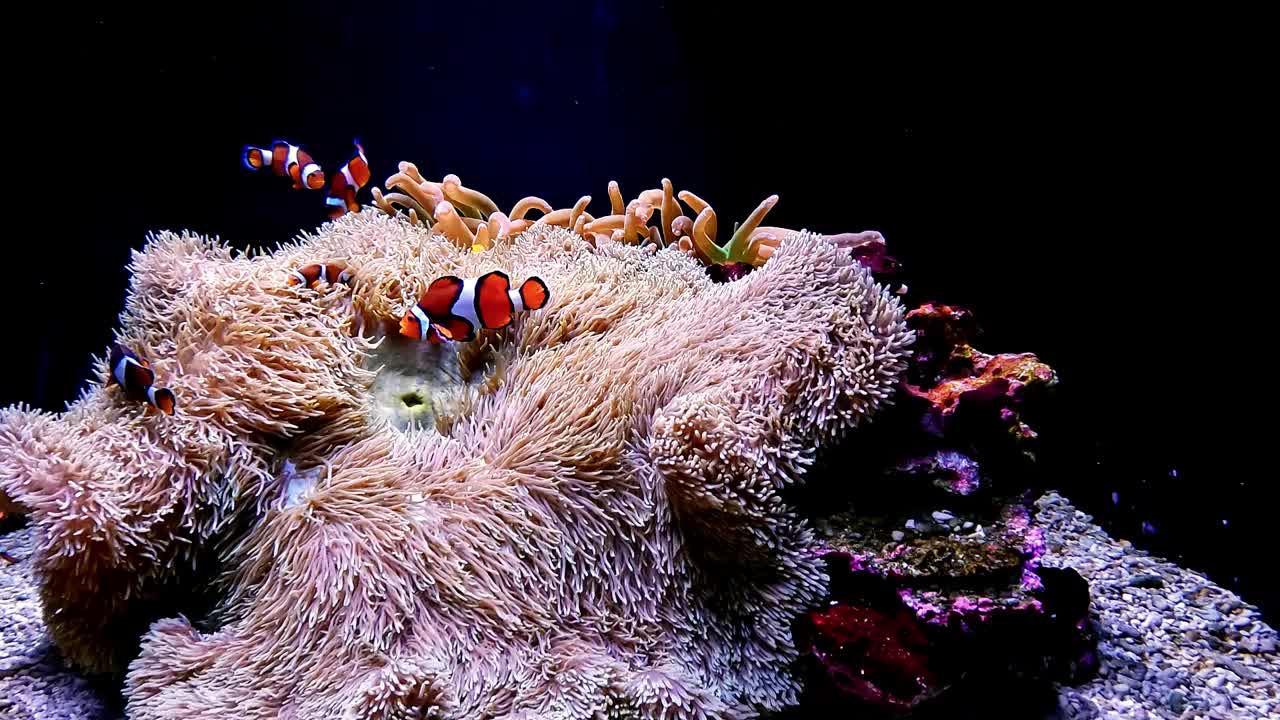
[346, 183]
[286, 160]
[311, 275]
[137, 379]
[456, 309]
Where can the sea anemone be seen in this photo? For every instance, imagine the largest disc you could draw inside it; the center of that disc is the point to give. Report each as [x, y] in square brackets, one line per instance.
[471, 220]
[586, 518]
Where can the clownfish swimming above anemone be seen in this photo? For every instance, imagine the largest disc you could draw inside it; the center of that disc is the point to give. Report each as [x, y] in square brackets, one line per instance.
[286, 160]
[136, 378]
[454, 309]
[341, 197]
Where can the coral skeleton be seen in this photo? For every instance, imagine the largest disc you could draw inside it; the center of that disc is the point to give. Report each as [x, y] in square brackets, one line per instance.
[581, 515]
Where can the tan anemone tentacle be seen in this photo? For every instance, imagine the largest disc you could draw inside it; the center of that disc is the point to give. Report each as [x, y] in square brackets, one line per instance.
[521, 208]
[482, 241]
[449, 224]
[578, 209]
[460, 195]
[738, 245]
[499, 226]
[411, 170]
[703, 242]
[616, 204]
[669, 211]
[607, 224]
[389, 201]
[651, 197]
[682, 226]
[559, 218]
[426, 194]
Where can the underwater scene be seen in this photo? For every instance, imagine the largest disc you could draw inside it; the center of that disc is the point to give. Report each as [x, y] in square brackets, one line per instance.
[652, 361]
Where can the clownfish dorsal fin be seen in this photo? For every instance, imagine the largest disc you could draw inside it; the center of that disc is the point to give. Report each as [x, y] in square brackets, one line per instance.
[441, 295]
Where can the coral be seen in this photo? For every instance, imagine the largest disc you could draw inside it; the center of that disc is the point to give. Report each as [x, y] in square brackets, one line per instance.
[910, 617]
[585, 519]
[935, 572]
[960, 385]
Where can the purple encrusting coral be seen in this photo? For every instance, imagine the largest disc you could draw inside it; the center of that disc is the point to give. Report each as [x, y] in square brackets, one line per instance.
[944, 553]
[728, 272]
[950, 470]
[939, 599]
[963, 391]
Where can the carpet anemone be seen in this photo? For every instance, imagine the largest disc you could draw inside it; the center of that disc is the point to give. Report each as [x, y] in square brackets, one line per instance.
[580, 515]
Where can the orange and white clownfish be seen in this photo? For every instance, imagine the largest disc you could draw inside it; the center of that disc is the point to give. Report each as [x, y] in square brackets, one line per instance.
[415, 324]
[311, 275]
[286, 160]
[346, 183]
[137, 379]
[459, 308]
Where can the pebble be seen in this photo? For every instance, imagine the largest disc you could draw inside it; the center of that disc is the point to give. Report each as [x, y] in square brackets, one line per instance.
[1146, 581]
[1128, 630]
[1259, 644]
[942, 516]
[1172, 643]
[898, 535]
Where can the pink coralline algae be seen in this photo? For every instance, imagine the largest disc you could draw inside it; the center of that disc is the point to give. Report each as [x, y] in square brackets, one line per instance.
[962, 385]
[944, 553]
[950, 470]
[879, 657]
[946, 607]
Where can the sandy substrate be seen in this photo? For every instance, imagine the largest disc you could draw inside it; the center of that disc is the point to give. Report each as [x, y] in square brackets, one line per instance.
[34, 684]
[1173, 644]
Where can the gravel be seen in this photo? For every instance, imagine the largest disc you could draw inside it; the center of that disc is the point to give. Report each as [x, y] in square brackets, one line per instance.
[34, 684]
[1172, 643]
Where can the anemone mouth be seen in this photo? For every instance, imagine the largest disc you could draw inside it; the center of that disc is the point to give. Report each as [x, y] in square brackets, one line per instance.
[419, 385]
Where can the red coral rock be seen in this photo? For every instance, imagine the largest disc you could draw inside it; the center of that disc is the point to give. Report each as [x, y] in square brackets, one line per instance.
[880, 657]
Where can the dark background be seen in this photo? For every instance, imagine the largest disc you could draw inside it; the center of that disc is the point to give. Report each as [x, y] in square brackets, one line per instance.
[1073, 179]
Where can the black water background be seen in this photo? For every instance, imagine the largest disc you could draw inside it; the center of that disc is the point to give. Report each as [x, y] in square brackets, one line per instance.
[1071, 178]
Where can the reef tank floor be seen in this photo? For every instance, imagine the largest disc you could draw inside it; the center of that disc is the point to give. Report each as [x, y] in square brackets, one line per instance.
[1172, 644]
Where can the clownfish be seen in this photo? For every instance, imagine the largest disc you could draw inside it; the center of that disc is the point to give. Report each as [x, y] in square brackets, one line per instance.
[286, 160]
[311, 275]
[137, 379]
[457, 308]
[346, 183]
[415, 324]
